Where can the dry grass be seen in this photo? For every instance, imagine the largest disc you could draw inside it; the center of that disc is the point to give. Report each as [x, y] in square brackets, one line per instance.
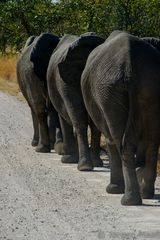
[8, 81]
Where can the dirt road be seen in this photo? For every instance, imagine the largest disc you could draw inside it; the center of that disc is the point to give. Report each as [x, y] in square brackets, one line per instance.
[43, 199]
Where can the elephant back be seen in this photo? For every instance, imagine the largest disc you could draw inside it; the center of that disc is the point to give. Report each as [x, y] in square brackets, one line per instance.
[155, 42]
[41, 53]
[76, 56]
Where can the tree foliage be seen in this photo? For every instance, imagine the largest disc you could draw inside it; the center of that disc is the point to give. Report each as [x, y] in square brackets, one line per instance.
[20, 19]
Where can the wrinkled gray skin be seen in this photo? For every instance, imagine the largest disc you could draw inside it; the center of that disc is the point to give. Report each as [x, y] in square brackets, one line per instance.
[121, 91]
[63, 79]
[31, 75]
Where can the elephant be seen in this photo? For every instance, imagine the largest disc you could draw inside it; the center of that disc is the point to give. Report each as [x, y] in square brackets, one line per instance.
[63, 81]
[155, 42]
[31, 75]
[121, 91]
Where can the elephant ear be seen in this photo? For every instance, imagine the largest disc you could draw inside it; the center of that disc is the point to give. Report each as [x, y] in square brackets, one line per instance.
[29, 41]
[41, 53]
[155, 42]
[73, 63]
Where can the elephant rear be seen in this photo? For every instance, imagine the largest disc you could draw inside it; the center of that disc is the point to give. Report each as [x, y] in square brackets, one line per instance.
[125, 71]
[121, 82]
[31, 75]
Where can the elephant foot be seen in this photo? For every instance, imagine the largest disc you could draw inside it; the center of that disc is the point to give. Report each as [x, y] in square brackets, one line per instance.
[69, 158]
[84, 165]
[97, 161]
[131, 200]
[58, 147]
[43, 148]
[115, 188]
[34, 142]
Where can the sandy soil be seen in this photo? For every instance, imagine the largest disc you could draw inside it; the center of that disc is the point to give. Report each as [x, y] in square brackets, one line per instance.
[43, 199]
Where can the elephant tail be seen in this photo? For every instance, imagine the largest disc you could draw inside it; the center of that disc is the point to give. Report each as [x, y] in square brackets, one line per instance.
[130, 134]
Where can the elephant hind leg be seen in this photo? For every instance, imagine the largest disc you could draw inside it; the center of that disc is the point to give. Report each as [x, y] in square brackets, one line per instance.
[70, 149]
[151, 133]
[117, 117]
[116, 184]
[95, 145]
[53, 122]
[35, 139]
[85, 162]
[140, 161]
[44, 141]
[55, 133]
[58, 146]
[149, 172]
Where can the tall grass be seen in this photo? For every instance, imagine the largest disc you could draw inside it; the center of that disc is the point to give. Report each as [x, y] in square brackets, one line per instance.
[8, 81]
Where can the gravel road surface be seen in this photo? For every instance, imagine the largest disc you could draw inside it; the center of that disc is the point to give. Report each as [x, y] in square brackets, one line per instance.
[43, 199]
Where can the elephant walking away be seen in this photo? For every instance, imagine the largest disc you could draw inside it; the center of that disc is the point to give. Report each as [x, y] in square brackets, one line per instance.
[121, 90]
[31, 75]
[63, 80]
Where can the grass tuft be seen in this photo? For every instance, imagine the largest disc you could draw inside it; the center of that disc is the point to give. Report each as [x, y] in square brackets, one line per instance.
[8, 80]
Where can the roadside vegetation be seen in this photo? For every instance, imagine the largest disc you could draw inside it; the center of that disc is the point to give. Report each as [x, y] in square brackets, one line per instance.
[8, 81]
[20, 19]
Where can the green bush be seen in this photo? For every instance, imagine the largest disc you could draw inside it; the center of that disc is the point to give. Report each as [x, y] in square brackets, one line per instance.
[20, 19]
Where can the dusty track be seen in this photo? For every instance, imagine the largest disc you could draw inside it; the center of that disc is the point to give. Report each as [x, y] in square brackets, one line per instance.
[43, 199]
